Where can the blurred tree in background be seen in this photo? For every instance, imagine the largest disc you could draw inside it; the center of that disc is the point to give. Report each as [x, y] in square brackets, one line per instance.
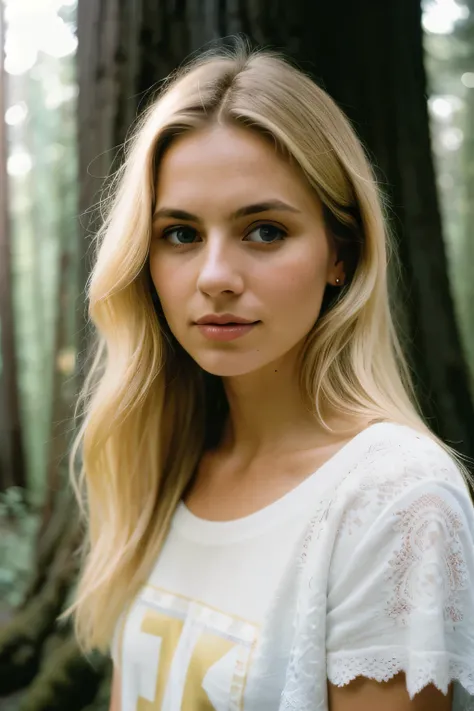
[369, 56]
[449, 43]
[42, 166]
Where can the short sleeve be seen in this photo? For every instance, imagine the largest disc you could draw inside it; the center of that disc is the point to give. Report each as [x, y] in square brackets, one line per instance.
[401, 591]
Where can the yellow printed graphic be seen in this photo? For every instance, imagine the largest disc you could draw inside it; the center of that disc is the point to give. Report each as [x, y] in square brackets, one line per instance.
[208, 650]
[169, 629]
[188, 656]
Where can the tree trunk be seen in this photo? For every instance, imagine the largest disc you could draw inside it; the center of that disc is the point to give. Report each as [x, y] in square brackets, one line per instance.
[468, 222]
[12, 461]
[369, 57]
[380, 82]
[467, 249]
[63, 361]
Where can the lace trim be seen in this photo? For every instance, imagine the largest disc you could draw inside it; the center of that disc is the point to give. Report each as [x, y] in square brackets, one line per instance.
[421, 668]
[287, 704]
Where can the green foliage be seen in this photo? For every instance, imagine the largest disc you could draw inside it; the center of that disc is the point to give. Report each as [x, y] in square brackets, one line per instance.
[18, 527]
[67, 680]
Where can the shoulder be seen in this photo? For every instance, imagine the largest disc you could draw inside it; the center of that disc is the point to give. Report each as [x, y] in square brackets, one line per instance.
[400, 455]
[393, 465]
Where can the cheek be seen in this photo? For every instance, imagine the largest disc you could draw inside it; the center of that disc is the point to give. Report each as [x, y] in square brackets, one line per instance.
[169, 286]
[297, 286]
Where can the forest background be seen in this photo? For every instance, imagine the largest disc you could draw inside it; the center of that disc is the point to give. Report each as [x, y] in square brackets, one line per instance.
[74, 74]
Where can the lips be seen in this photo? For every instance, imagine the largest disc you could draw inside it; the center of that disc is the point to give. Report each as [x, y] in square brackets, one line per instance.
[225, 331]
[223, 320]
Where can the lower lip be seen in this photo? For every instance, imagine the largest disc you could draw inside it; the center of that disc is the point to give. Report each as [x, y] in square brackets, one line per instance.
[225, 332]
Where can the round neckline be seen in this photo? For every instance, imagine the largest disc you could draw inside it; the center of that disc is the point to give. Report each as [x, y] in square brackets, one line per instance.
[206, 531]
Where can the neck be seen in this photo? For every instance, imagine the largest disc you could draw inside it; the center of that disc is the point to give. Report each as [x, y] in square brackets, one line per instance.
[268, 415]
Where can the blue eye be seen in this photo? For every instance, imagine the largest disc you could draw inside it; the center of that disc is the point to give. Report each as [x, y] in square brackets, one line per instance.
[184, 235]
[269, 234]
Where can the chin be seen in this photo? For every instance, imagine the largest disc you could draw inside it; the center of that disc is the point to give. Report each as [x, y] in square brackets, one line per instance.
[227, 366]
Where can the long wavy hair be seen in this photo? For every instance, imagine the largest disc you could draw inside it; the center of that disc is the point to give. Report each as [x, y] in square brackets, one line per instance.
[148, 410]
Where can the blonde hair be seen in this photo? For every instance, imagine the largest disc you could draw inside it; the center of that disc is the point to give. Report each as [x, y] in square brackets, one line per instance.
[149, 410]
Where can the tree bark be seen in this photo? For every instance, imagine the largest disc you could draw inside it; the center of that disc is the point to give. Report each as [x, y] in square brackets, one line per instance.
[63, 362]
[12, 460]
[465, 64]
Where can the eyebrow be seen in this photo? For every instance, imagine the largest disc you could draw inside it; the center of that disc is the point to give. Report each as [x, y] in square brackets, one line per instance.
[254, 209]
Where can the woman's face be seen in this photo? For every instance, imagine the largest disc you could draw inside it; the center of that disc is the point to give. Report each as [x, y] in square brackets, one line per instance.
[237, 231]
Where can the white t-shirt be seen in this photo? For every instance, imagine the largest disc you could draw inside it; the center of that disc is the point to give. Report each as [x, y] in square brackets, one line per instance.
[365, 568]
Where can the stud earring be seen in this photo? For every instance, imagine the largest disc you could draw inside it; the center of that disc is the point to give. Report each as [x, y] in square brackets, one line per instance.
[338, 281]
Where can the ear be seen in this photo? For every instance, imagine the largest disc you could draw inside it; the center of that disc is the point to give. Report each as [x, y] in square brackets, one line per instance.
[337, 274]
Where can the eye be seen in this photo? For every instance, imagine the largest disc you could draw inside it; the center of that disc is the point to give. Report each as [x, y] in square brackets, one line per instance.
[180, 235]
[268, 234]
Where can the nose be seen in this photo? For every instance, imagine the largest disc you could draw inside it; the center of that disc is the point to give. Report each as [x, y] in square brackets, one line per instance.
[220, 269]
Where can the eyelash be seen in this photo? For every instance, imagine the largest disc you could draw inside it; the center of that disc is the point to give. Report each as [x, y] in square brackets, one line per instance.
[170, 230]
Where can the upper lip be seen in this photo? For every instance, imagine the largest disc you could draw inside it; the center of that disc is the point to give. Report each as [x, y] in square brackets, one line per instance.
[221, 319]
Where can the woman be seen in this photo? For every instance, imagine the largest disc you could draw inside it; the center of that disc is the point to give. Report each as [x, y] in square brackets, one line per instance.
[271, 523]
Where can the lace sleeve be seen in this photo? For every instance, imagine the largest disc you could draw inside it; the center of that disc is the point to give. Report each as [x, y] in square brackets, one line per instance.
[401, 591]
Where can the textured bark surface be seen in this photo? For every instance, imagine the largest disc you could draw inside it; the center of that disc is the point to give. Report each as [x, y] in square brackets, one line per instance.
[12, 459]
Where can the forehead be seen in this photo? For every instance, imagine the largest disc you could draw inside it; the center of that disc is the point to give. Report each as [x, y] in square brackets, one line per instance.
[229, 163]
